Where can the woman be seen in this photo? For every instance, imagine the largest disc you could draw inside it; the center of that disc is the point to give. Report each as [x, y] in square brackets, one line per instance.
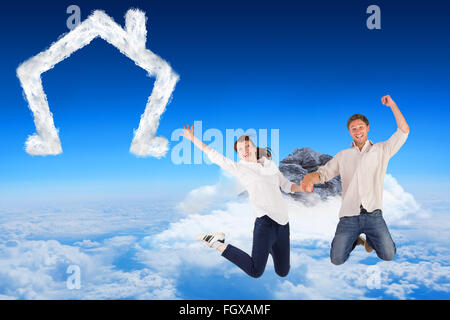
[262, 179]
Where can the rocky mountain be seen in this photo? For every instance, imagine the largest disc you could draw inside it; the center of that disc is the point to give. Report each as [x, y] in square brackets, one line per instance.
[303, 161]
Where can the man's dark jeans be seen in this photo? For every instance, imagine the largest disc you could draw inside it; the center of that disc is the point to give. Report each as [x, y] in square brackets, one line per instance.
[372, 225]
[268, 237]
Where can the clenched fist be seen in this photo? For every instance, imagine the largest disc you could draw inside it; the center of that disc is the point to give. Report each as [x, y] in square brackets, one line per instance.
[387, 101]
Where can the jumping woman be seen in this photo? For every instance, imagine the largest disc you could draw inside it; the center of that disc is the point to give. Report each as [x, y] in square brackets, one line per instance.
[262, 179]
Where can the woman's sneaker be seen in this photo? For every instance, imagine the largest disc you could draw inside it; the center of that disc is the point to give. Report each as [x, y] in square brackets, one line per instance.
[212, 240]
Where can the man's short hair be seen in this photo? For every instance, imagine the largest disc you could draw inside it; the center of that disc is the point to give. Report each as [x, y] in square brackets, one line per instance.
[357, 116]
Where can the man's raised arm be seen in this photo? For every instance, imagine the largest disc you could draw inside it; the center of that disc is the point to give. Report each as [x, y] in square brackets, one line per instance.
[401, 122]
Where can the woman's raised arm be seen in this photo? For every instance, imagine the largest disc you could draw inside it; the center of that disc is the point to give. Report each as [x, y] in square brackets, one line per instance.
[215, 157]
[188, 133]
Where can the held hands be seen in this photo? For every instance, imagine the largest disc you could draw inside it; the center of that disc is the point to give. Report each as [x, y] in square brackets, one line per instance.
[307, 183]
[297, 188]
[387, 101]
[307, 187]
[302, 187]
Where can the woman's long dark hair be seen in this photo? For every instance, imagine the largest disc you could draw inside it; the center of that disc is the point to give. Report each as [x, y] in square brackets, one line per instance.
[260, 152]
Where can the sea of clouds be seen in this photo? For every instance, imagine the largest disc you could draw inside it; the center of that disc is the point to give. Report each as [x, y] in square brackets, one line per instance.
[146, 250]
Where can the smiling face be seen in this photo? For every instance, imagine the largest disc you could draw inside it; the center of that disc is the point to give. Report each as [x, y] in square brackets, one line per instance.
[358, 130]
[246, 150]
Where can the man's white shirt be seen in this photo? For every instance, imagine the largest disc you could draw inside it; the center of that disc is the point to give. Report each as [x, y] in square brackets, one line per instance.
[362, 173]
[262, 183]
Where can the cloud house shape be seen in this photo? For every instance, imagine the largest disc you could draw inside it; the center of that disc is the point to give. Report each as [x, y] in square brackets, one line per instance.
[131, 42]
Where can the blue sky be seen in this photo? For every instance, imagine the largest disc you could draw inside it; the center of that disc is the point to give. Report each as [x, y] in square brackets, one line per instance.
[298, 66]
[302, 67]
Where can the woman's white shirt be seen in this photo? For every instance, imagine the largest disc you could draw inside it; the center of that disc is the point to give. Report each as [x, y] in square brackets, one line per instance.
[262, 183]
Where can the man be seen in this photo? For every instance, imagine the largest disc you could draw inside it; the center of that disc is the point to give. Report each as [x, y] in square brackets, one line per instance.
[362, 169]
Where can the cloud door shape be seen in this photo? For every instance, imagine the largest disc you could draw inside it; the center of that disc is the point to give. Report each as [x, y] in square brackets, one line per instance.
[131, 42]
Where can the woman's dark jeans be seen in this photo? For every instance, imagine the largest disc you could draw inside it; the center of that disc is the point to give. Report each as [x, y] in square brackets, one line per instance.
[268, 237]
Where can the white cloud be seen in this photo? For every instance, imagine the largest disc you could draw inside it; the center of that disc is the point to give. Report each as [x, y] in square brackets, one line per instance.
[312, 228]
[319, 280]
[137, 284]
[131, 42]
[399, 206]
[129, 251]
[87, 244]
[75, 221]
[99, 238]
[37, 270]
[204, 198]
